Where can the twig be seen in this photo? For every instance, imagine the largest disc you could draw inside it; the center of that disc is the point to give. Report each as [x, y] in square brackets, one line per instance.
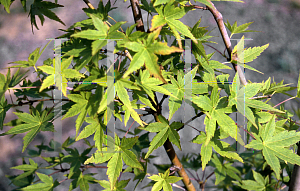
[197, 7]
[187, 122]
[284, 101]
[129, 129]
[261, 97]
[216, 50]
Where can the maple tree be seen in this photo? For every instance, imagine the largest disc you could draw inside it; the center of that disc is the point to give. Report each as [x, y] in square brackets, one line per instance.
[154, 67]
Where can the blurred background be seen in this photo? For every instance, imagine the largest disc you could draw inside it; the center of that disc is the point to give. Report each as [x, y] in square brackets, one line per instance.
[278, 21]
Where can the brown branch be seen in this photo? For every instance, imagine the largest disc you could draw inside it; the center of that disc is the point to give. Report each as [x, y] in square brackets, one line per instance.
[167, 145]
[136, 11]
[89, 4]
[219, 19]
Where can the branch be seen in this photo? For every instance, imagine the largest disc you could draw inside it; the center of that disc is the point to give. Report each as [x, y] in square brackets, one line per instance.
[219, 19]
[136, 10]
[89, 4]
[167, 145]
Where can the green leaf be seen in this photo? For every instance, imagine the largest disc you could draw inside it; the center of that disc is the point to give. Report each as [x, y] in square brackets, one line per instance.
[259, 183]
[243, 102]
[177, 88]
[273, 146]
[85, 104]
[41, 8]
[32, 59]
[170, 15]
[6, 4]
[223, 170]
[47, 184]
[122, 93]
[234, 29]
[251, 54]
[61, 76]
[165, 131]
[4, 107]
[146, 54]
[33, 123]
[163, 181]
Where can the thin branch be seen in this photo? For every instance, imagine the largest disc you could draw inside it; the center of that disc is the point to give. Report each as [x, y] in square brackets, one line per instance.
[284, 101]
[219, 19]
[196, 7]
[216, 50]
[128, 129]
[187, 122]
[261, 97]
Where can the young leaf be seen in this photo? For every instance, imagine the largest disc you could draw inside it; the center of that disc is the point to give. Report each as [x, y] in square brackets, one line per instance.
[177, 88]
[146, 54]
[32, 59]
[163, 181]
[242, 101]
[234, 29]
[61, 79]
[170, 15]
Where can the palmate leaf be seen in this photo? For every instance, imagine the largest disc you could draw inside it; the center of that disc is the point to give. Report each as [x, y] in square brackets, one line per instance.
[115, 158]
[85, 104]
[234, 29]
[245, 56]
[221, 147]
[251, 54]
[223, 170]
[170, 15]
[96, 127]
[82, 180]
[47, 184]
[34, 123]
[75, 159]
[259, 184]
[240, 98]
[32, 59]
[118, 187]
[276, 146]
[41, 8]
[146, 54]
[163, 181]
[102, 32]
[151, 84]
[29, 170]
[165, 131]
[60, 80]
[177, 88]
[216, 110]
